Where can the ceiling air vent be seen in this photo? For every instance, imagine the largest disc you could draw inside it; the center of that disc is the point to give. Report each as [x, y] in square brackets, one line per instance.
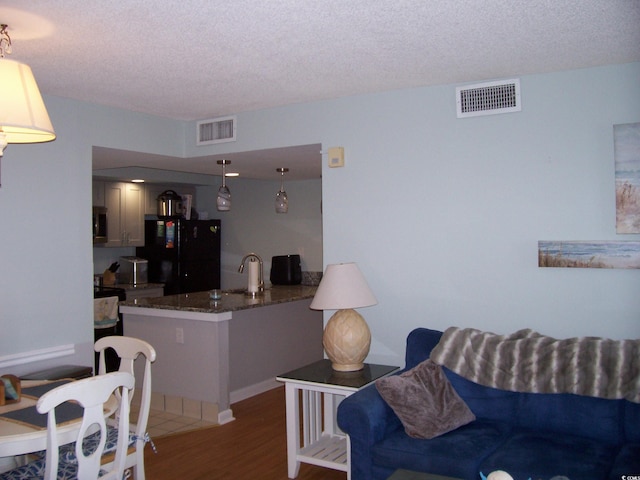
[488, 98]
[217, 130]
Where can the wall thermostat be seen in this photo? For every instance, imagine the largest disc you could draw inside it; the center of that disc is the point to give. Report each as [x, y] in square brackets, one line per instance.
[336, 157]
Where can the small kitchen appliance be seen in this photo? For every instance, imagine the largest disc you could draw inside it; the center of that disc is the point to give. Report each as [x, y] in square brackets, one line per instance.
[169, 205]
[286, 270]
[133, 270]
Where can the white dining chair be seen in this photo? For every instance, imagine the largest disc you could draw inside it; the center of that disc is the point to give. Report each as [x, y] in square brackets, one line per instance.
[91, 393]
[128, 350]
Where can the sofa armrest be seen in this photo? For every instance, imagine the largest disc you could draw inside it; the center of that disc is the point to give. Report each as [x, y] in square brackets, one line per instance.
[367, 419]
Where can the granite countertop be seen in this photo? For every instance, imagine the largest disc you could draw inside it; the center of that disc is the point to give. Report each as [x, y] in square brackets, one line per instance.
[139, 286]
[131, 287]
[231, 300]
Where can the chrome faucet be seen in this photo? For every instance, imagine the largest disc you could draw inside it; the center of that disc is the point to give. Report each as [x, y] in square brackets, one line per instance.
[260, 274]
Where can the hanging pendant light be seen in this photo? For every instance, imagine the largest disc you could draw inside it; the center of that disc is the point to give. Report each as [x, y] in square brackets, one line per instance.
[223, 201]
[282, 202]
[23, 115]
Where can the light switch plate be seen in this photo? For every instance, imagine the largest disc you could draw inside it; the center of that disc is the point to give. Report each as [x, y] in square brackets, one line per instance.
[336, 157]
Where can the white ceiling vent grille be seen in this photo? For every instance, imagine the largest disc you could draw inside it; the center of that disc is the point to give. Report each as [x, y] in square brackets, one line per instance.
[217, 130]
[488, 98]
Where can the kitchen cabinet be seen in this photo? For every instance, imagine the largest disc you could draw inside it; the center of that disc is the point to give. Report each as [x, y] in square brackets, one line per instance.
[125, 214]
[98, 194]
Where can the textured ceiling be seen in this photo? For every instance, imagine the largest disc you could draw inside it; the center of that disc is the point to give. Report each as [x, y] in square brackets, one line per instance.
[197, 59]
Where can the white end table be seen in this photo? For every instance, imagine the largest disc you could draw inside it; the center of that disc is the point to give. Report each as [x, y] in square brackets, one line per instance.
[317, 388]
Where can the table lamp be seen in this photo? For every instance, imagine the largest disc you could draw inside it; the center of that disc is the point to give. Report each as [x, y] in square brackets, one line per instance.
[346, 337]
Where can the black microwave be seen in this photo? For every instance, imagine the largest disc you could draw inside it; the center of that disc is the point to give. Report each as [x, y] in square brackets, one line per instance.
[99, 225]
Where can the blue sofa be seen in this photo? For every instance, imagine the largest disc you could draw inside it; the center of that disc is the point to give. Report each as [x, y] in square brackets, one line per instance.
[528, 435]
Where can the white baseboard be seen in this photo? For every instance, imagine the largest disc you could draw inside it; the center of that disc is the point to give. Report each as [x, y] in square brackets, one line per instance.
[252, 390]
[226, 416]
[36, 355]
[205, 410]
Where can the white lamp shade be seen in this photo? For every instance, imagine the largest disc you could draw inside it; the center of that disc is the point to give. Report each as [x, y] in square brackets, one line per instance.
[23, 116]
[343, 286]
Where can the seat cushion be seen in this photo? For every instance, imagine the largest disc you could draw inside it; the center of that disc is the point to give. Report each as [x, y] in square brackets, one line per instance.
[468, 445]
[528, 454]
[90, 444]
[485, 402]
[35, 470]
[627, 462]
[565, 413]
[631, 422]
[31, 470]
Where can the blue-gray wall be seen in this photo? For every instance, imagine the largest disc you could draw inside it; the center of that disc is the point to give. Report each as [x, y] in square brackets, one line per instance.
[252, 225]
[442, 214]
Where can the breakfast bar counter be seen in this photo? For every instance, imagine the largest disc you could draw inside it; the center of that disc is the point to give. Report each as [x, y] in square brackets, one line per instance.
[230, 301]
[211, 353]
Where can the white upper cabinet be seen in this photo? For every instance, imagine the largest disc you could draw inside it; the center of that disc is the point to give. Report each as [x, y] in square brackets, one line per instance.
[98, 194]
[125, 214]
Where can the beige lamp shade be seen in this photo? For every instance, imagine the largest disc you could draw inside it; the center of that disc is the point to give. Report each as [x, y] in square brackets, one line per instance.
[23, 116]
[343, 286]
[346, 338]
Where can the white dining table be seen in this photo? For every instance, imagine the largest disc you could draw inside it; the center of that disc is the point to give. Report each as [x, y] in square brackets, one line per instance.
[19, 439]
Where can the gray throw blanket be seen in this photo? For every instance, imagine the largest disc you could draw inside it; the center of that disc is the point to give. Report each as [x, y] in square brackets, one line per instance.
[527, 361]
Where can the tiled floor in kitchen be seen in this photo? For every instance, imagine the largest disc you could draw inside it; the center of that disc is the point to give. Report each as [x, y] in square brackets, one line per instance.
[164, 423]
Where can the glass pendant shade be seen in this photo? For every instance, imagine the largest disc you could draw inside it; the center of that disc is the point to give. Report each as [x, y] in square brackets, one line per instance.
[282, 202]
[223, 200]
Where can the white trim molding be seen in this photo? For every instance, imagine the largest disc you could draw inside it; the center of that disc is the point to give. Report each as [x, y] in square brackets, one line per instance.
[36, 355]
[252, 390]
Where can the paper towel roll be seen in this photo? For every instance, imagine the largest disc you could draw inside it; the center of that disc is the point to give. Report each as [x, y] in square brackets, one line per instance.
[254, 275]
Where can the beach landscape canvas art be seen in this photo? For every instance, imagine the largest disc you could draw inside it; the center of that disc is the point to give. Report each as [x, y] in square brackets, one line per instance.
[626, 139]
[586, 254]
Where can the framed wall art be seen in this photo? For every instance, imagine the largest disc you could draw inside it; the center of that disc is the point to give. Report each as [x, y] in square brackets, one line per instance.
[626, 140]
[589, 254]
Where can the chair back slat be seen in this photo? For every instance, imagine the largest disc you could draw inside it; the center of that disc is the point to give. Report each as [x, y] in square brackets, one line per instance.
[129, 349]
[91, 393]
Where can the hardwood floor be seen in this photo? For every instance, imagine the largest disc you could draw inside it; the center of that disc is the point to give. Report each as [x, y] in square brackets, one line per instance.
[254, 446]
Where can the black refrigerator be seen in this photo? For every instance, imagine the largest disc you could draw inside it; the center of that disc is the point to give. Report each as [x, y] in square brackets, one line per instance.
[182, 254]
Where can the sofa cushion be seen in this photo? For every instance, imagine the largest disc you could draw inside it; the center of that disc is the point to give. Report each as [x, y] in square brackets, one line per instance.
[566, 413]
[424, 401]
[420, 342]
[541, 454]
[627, 462]
[485, 402]
[631, 421]
[455, 454]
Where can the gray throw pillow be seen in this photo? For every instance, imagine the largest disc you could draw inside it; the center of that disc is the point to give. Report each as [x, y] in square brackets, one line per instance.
[425, 401]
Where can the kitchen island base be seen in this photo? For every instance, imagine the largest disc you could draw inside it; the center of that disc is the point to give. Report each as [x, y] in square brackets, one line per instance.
[214, 356]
